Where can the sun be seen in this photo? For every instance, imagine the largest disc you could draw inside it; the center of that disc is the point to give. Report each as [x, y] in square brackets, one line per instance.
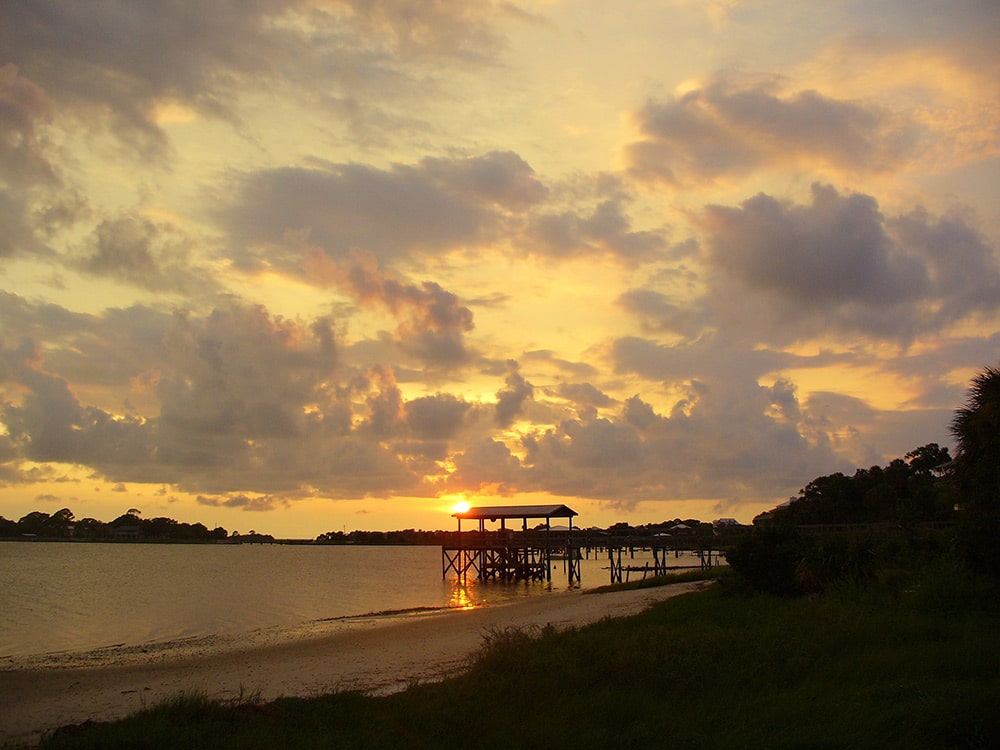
[461, 506]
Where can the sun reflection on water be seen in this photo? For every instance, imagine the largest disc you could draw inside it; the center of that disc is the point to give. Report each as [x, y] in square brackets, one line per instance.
[461, 598]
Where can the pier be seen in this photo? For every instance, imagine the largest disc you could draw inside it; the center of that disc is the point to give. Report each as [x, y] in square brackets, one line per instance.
[506, 555]
[512, 554]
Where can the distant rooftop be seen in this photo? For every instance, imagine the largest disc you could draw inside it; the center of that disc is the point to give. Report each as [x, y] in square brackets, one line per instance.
[497, 512]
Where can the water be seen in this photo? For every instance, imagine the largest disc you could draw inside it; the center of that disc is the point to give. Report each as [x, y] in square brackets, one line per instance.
[69, 597]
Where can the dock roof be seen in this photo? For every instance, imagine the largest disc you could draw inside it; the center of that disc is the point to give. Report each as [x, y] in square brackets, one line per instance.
[496, 512]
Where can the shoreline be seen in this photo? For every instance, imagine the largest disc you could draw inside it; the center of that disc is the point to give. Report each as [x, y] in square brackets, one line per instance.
[377, 654]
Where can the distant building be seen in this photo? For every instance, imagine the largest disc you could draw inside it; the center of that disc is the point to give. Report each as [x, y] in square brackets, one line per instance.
[127, 531]
[725, 522]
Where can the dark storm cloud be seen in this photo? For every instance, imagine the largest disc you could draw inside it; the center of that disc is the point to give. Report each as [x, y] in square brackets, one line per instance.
[838, 264]
[734, 125]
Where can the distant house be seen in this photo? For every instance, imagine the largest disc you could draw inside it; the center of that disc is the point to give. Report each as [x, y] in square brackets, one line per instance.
[127, 531]
[725, 522]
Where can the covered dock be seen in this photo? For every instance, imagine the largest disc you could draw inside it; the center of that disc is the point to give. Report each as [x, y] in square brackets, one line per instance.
[508, 553]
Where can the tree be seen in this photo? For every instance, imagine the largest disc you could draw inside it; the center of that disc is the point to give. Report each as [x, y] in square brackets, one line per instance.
[61, 523]
[928, 459]
[7, 527]
[35, 523]
[976, 429]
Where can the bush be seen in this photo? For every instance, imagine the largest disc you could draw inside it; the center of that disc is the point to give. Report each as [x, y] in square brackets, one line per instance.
[781, 560]
[768, 558]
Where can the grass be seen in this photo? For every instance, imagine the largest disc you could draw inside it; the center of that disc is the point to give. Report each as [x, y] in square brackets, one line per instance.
[912, 662]
[696, 574]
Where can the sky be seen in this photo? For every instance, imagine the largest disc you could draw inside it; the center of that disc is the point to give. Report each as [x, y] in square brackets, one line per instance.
[299, 266]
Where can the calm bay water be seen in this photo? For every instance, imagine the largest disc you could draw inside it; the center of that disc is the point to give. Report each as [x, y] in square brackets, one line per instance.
[58, 597]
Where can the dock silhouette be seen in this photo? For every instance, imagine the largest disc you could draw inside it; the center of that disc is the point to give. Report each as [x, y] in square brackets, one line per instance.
[509, 554]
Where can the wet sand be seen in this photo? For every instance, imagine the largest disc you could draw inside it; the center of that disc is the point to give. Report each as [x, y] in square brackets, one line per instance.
[375, 654]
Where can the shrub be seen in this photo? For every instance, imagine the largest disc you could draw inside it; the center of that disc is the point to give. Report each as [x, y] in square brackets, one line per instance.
[768, 558]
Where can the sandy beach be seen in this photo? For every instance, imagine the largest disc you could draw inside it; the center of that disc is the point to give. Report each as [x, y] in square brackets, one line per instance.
[375, 654]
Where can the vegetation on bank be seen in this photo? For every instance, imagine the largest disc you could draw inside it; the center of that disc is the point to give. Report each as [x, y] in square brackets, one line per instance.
[908, 661]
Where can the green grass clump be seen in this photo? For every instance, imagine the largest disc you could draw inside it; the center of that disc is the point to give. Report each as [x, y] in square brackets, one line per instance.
[907, 662]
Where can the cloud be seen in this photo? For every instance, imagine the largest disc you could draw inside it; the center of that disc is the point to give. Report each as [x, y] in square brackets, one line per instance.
[135, 250]
[243, 373]
[838, 264]
[434, 206]
[437, 417]
[433, 323]
[242, 401]
[449, 28]
[261, 503]
[485, 466]
[513, 396]
[18, 235]
[29, 178]
[658, 312]
[736, 124]
[607, 231]
[724, 440]
[712, 353]
[24, 110]
[583, 395]
[384, 402]
[117, 69]
[50, 424]
[567, 368]
[300, 220]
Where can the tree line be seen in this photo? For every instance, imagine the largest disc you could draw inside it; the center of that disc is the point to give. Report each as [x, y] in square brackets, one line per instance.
[63, 524]
[907, 492]
[927, 506]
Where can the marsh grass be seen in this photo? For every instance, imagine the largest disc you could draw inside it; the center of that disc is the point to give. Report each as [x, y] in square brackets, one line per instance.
[908, 662]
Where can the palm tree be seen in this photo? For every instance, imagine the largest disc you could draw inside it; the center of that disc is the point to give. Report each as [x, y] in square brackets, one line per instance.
[976, 429]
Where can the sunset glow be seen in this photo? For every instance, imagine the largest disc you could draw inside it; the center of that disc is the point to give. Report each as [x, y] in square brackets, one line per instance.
[313, 265]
